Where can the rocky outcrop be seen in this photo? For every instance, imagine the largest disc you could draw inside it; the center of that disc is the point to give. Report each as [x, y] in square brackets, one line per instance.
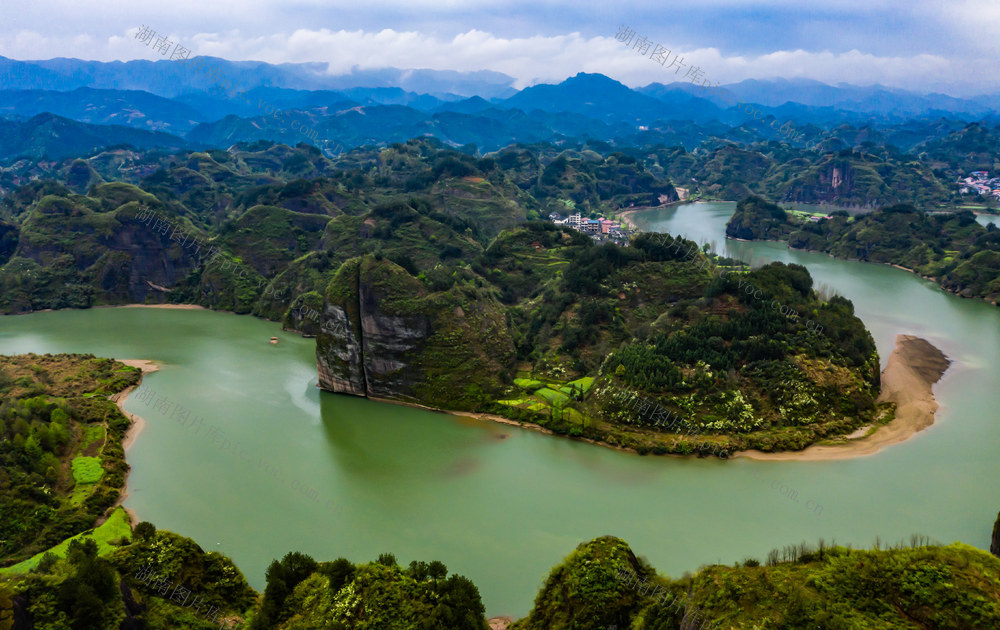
[383, 335]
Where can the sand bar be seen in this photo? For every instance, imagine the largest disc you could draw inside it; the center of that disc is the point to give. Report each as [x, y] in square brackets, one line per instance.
[911, 371]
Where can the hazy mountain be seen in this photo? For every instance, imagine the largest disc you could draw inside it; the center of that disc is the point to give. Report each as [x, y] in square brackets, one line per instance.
[586, 106]
[880, 100]
[489, 130]
[171, 78]
[471, 105]
[131, 108]
[597, 96]
[55, 137]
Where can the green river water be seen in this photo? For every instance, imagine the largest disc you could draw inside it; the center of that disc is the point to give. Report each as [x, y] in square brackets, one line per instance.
[334, 475]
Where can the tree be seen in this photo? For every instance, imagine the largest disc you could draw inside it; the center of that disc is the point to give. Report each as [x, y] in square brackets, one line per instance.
[437, 571]
[89, 589]
[995, 545]
[340, 572]
[144, 530]
[282, 578]
[418, 571]
[387, 559]
[460, 607]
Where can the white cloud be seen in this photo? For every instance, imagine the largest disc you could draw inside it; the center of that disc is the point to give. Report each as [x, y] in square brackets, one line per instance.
[530, 60]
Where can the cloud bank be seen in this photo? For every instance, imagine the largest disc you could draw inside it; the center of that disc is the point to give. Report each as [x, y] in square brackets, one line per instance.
[536, 58]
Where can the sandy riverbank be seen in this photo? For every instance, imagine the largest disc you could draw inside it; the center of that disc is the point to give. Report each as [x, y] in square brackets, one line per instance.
[138, 422]
[910, 373]
[626, 217]
[179, 307]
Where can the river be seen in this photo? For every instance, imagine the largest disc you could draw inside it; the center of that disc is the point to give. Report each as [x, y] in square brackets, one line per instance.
[335, 476]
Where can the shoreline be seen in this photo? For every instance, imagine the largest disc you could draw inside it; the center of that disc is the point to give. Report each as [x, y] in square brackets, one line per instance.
[907, 380]
[524, 424]
[138, 423]
[626, 218]
[626, 215]
[180, 307]
[870, 262]
[914, 366]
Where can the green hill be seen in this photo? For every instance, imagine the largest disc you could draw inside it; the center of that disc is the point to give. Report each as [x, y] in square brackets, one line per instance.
[602, 585]
[951, 248]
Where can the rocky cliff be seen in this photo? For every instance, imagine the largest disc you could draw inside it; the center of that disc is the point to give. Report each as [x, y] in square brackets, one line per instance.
[383, 334]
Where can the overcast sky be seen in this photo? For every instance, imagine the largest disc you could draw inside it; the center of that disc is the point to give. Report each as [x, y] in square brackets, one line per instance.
[924, 46]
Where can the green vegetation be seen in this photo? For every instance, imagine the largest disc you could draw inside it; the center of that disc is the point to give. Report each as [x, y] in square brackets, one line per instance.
[747, 359]
[585, 592]
[381, 595]
[112, 532]
[830, 588]
[952, 248]
[995, 540]
[87, 469]
[96, 581]
[60, 451]
[283, 219]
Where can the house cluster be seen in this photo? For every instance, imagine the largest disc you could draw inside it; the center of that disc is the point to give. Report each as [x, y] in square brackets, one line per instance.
[981, 183]
[599, 228]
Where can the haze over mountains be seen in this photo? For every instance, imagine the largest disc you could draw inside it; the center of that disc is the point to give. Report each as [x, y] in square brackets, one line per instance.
[186, 109]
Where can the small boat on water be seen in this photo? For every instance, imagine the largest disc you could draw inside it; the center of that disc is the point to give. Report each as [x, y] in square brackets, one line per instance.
[274, 340]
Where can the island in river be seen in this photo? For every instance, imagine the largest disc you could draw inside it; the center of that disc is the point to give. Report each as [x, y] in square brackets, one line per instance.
[646, 348]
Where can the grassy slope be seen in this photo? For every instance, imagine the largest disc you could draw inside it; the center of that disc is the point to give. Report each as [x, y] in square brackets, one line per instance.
[117, 527]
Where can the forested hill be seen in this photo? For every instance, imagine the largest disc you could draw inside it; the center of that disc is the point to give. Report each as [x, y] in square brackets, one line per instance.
[604, 585]
[656, 347]
[951, 248]
[256, 228]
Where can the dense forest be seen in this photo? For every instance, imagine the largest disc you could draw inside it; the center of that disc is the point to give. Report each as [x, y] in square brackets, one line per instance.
[751, 358]
[829, 587]
[951, 248]
[158, 580]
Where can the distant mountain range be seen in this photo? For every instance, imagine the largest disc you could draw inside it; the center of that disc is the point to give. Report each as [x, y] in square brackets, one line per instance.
[170, 78]
[55, 137]
[178, 107]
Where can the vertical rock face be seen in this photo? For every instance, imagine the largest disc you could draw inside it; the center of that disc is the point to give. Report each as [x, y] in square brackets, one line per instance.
[383, 335]
[340, 367]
